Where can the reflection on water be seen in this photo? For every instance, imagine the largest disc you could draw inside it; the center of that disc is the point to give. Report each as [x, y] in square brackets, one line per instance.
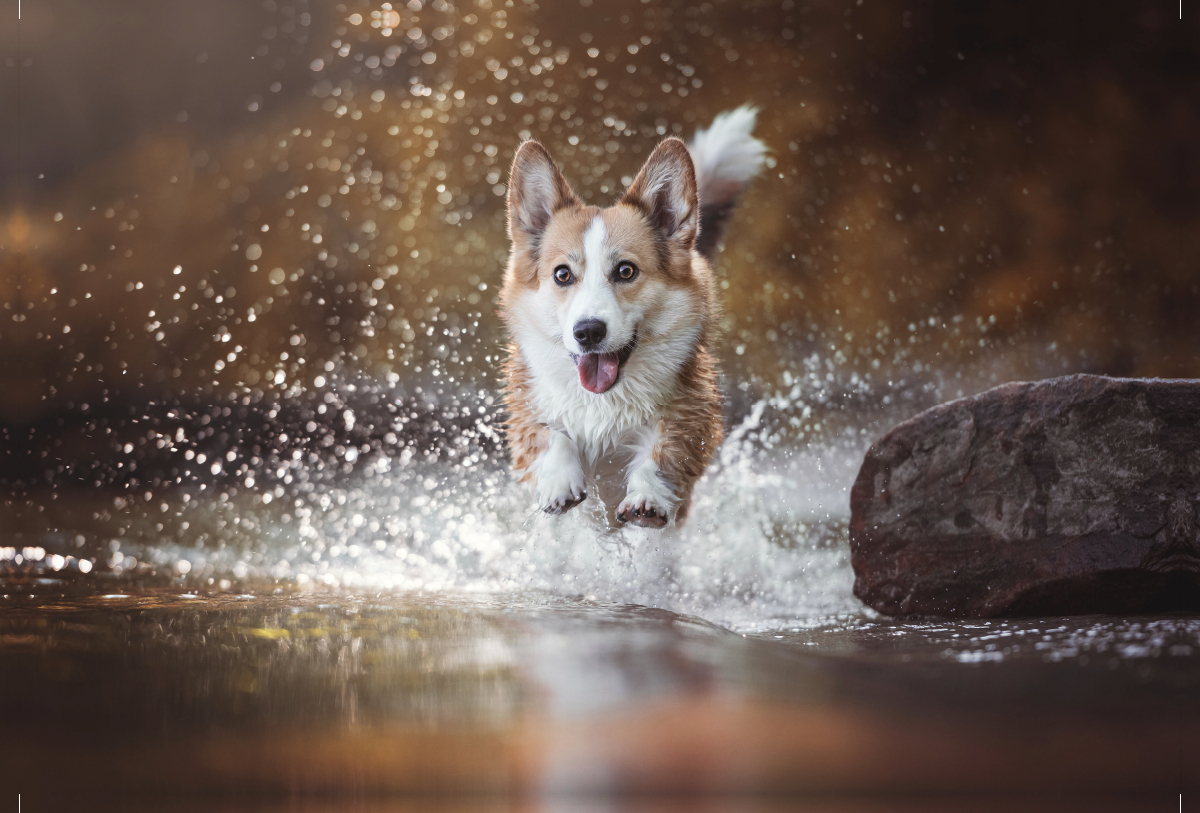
[1112, 641]
[522, 694]
[941, 803]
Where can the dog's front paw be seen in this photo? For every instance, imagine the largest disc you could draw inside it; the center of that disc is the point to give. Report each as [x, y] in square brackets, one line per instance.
[646, 511]
[560, 480]
[560, 488]
[563, 502]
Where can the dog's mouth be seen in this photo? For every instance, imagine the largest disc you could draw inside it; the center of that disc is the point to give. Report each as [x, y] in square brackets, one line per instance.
[599, 372]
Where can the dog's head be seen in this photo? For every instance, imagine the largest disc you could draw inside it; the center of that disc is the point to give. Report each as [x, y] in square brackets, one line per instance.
[600, 287]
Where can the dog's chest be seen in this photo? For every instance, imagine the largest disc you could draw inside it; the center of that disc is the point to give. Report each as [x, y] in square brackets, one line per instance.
[598, 423]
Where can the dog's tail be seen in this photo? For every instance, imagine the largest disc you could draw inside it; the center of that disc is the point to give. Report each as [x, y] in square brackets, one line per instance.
[726, 156]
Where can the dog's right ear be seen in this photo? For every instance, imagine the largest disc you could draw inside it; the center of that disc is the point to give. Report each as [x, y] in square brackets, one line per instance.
[536, 190]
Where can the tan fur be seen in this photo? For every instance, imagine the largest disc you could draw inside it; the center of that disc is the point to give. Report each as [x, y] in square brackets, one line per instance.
[692, 430]
[527, 437]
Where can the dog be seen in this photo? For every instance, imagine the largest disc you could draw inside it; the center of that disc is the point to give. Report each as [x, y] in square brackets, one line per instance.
[612, 314]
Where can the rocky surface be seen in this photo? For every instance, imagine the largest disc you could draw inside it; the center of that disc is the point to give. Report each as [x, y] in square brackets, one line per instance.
[1073, 495]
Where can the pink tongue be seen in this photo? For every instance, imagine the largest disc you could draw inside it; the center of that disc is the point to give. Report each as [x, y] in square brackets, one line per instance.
[598, 371]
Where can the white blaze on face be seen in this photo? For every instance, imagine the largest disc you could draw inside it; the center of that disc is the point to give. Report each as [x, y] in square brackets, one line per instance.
[595, 244]
[595, 298]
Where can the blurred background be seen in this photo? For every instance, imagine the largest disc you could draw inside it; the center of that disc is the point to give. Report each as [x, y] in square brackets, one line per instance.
[232, 200]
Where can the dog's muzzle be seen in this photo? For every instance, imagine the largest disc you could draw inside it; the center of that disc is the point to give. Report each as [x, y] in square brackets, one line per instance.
[599, 372]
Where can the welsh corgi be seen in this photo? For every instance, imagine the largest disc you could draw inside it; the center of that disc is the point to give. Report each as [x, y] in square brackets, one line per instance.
[612, 314]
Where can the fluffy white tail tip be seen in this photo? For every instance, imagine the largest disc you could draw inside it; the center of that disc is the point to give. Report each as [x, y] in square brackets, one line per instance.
[727, 151]
[726, 157]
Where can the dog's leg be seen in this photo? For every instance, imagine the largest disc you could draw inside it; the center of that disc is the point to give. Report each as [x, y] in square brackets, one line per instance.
[672, 456]
[649, 500]
[650, 497]
[559, 474]
[540, 454]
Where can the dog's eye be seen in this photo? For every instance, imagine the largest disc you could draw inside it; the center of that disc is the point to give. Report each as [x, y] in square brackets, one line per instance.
[563, 275]
[626, 271]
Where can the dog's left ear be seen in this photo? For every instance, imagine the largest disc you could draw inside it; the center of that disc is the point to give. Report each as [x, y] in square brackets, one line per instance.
[665, 190]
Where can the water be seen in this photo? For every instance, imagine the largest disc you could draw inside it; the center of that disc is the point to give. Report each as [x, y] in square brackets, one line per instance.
[760, 542]
[380, 500]
[527, 696]
[400, 621]
[866, 805]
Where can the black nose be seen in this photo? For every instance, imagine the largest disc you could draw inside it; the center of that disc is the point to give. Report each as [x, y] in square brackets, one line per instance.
[589, 333]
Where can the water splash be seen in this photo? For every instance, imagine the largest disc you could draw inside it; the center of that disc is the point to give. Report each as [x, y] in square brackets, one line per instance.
[766, 536]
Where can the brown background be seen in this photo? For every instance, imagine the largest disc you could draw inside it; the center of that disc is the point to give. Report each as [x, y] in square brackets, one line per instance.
[962, 192]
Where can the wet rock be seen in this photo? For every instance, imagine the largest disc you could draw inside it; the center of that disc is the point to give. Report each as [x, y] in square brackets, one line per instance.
[1073, 495]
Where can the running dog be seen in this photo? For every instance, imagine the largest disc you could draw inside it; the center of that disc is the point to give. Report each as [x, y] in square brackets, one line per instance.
[612, 314]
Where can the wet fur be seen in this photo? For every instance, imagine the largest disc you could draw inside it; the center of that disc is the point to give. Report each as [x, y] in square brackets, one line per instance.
[659, 426]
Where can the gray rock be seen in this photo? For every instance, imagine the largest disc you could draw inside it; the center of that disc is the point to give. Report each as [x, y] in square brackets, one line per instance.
[1073, 495]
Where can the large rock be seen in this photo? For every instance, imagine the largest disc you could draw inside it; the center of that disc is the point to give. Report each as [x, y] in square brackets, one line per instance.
[1074, 495]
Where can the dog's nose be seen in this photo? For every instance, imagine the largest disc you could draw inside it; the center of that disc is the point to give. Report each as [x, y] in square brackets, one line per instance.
[589, 333]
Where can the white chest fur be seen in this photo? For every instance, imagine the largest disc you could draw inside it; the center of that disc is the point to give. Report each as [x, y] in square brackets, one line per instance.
[599, 423]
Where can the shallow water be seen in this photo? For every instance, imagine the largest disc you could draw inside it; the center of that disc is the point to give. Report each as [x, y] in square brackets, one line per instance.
[440, 508]
[865, 803]
[153, 693]
[398, 621]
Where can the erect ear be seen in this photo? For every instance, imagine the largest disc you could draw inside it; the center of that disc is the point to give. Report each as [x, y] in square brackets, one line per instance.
[665, 190]
[536, 190]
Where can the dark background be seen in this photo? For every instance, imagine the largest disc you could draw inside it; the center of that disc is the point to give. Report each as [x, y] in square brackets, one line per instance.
[963, 193]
